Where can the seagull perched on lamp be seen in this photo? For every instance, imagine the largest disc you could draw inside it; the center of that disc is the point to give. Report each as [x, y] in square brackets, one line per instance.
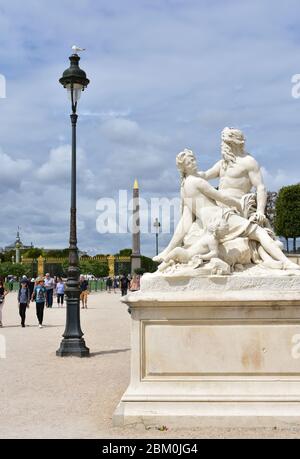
[76, 49]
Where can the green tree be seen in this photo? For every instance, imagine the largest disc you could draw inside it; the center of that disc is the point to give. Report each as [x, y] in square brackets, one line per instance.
[124, 253]
[148, 265]
[7, 256]
[34, 252]
[287, 218]
[57, 253]
[94, 267]
[271, 206]
[14, 269]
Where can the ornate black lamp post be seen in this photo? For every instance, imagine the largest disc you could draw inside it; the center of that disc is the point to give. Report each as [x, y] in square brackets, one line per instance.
[156, 226]
[75, 81]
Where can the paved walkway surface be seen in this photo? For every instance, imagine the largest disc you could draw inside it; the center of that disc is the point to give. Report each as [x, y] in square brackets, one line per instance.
[44, 396]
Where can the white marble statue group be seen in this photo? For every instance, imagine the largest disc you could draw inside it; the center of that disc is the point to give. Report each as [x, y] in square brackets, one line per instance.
[223, 230]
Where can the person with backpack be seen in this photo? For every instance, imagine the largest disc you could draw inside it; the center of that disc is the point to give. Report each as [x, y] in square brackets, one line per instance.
[3, 293]
[39, 296]
[23, 300]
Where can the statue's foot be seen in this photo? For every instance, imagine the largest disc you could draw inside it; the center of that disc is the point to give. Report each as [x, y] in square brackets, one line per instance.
[162, 266]
[160, 257]
[273, 264]
[291, 265]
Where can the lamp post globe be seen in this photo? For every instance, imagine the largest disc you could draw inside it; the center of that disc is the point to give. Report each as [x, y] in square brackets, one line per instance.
[75, 81]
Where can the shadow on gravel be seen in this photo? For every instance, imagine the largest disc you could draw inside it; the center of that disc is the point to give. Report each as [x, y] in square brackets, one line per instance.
[112, 351]
[32, 326]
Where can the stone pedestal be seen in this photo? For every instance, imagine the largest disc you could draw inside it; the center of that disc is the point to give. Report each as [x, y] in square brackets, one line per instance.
[216, 350]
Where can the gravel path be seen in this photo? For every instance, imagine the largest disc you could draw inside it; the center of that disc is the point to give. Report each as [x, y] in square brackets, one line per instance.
[43, 396]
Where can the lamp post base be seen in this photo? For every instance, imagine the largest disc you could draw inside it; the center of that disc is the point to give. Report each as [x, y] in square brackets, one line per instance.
[73, 347]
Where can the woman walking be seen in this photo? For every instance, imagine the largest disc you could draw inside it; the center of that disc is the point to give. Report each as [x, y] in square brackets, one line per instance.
[23, 300]
[3, 293]
[60, 292]
[135, 283]
[39, 296]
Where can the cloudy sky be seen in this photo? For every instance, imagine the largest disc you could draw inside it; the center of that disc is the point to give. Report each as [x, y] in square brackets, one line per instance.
[165, 74]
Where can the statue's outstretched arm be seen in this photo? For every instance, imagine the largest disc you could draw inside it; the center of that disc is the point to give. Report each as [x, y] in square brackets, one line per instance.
[212, 173]
[217, 195]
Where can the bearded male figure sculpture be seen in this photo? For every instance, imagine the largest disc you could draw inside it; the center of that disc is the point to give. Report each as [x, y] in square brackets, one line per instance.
[249, 236]
[239, 172]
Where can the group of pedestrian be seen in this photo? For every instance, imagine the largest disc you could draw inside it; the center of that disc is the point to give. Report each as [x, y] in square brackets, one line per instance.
[40, 290]
[41, 293]
[112, 283]
[124, 282]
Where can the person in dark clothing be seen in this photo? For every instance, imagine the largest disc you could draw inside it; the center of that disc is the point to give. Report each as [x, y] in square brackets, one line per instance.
[125, 282]
[24, 280]
[23, 300]
[3, 293]
[109, 284]
[84, 291]
[115, 284]
[11, 284]
[39, 296]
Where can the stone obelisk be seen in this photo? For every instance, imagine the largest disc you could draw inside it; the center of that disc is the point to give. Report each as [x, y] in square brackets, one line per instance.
[17, 246]
[136, 233]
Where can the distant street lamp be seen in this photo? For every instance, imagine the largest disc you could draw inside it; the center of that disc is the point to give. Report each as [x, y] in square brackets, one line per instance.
[157, 227]
[75, 81]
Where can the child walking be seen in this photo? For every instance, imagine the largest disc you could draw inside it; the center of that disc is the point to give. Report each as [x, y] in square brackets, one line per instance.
[23, 300]
[39, 296]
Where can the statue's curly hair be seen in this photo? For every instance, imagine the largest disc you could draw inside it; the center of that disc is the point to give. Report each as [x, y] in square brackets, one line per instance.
[226, 150]
[180, 159]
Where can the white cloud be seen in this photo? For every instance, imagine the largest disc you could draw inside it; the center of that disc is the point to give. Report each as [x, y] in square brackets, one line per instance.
[128, 132]
[279, 178]
[12, 170]
[58, 165]
[57, 168]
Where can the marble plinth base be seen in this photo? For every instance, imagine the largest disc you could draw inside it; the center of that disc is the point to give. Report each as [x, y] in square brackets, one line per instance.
[207, 354]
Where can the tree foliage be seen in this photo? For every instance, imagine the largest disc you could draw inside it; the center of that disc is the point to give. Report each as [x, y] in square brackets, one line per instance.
[124, 253]
[287, 219]
[148, 265]
[14, 269]
[7, 256]
[271, 206]
[94, 267]
[34, 253]
[57, 253]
